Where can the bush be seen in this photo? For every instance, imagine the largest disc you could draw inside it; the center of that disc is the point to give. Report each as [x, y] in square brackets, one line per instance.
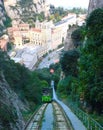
[94, 24]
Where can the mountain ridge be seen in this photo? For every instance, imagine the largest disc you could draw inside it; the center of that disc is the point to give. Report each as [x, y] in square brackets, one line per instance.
[16, 9]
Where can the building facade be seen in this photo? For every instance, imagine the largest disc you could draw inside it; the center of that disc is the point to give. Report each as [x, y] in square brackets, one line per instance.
[45, 34]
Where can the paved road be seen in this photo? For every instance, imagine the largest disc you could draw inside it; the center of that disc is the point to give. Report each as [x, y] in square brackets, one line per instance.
[51, 58]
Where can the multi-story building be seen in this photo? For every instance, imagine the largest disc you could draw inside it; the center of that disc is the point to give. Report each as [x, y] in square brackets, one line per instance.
[23, 27]
[56, 37]
[44, 37]
[45, 34]
[18, 41]
[35, 36]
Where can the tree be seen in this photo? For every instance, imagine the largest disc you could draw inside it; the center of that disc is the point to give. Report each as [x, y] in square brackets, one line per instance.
[78, 36]
[33, 89]
[94, 24]
[91, 62]
[41, 16]
[8, 21]
[91, 75]
[64, 85]
[68, 62]
[87, 82]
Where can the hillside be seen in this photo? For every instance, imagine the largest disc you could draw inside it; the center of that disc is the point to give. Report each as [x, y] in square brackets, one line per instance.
[10, 110]
[11, 103]
[23, 10]
[4, 19]
[18, 86]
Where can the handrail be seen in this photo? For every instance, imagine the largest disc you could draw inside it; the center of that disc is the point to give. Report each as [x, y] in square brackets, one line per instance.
[90, 123]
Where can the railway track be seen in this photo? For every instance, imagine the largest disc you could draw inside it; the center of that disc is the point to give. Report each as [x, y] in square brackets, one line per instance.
[35, 122]
[61, 121]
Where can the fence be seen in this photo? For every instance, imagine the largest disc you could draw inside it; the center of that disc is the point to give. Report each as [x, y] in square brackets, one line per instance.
[90, 123]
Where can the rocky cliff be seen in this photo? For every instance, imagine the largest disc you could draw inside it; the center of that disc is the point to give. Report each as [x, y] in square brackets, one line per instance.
[68, 43]
[3, 18]
[94, 4]
[19, 9]
[10, 108]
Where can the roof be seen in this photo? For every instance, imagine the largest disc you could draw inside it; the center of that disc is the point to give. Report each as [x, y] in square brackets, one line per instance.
[23, 25]
[36, 29]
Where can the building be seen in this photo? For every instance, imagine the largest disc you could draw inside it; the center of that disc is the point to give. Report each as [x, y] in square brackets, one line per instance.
[56, 37]
[23, 27]
[35, 36]
[18, 41]
[81, 19]
[45, 34]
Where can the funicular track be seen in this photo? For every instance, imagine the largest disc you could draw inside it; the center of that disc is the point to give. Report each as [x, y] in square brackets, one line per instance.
[61, 120]
[35, 122]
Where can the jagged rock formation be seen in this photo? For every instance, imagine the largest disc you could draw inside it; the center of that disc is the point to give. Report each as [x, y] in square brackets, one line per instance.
[17, 9]
[94, 4]
[10, 108]
[68, 43]
[3, 17]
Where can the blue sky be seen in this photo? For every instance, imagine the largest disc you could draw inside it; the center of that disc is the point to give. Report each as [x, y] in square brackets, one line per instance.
[70, 3]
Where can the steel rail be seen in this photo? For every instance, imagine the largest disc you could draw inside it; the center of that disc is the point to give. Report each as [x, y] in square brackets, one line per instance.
[35, 121]
[62, 121]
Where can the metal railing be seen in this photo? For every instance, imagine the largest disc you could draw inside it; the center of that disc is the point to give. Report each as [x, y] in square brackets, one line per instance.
[89, 123]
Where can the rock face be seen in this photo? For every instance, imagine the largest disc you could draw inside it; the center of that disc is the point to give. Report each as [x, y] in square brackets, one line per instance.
[68, 43]
[10, 108]
[3, 17]
[24, 8]
[19, 10]
[94, 4]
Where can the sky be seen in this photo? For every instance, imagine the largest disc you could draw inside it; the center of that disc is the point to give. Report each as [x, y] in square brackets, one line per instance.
[70, 3]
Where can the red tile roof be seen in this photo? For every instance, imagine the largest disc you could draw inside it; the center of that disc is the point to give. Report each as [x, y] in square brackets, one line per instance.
[36, 30]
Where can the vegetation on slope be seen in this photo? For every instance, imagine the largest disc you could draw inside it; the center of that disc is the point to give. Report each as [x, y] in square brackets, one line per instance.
[91, 62]
[58, 13]
[26, 84]
[7, 22]
[87, 86]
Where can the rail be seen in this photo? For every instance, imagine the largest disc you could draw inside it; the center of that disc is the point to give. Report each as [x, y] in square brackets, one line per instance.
[62, 122]
[34, 121]
[31, 118]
